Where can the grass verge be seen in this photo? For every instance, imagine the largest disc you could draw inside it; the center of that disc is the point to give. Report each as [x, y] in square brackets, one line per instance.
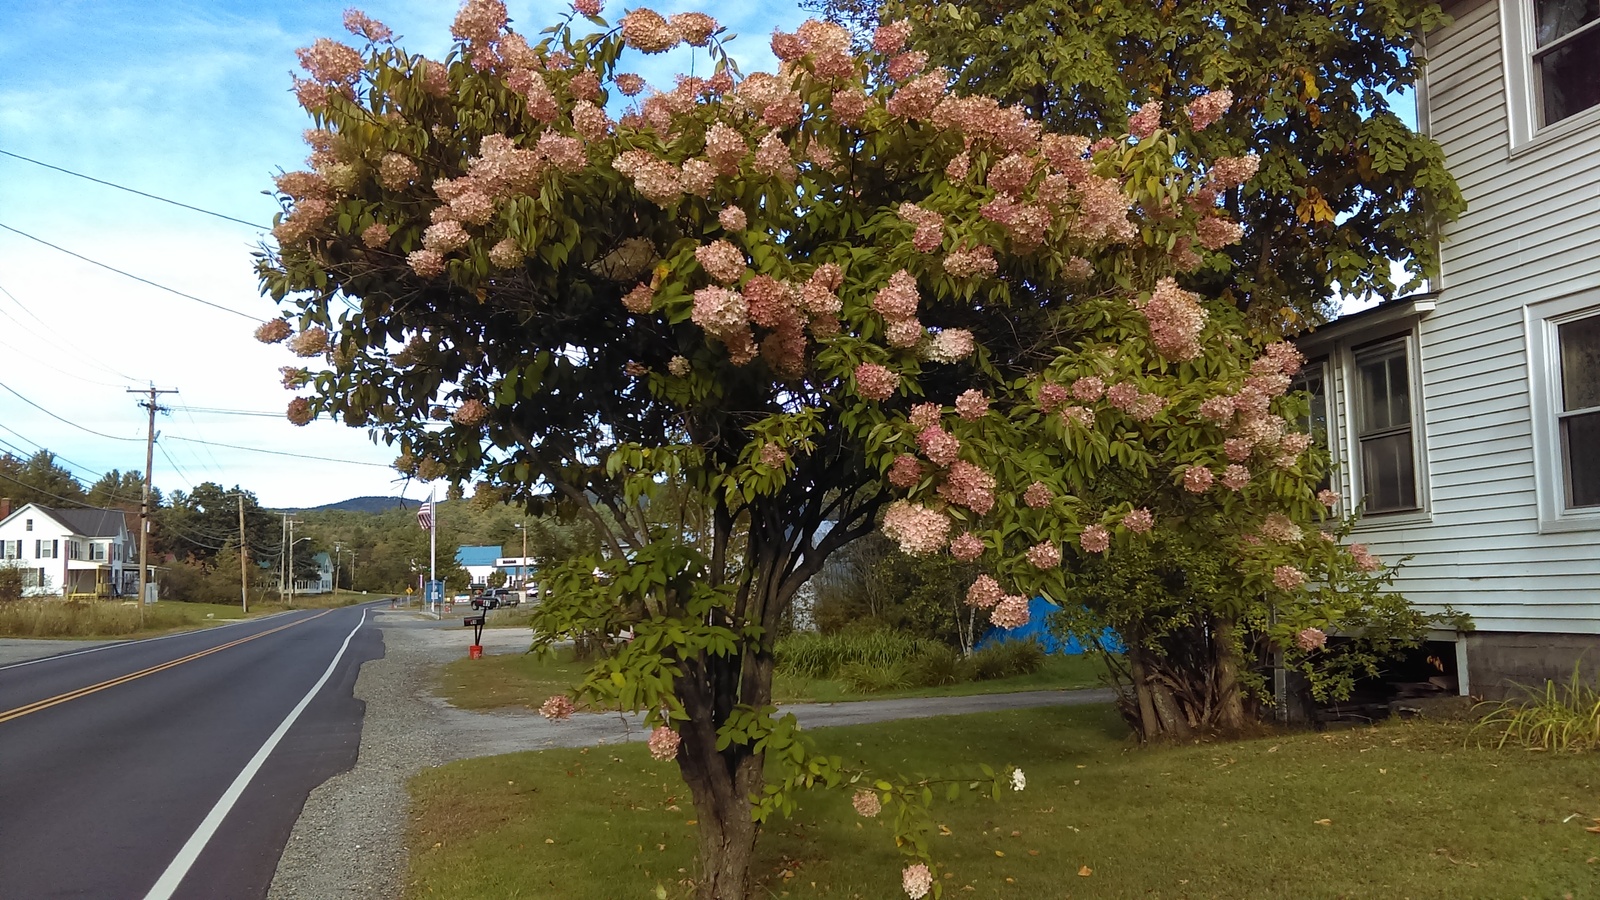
[522, 679]
[111, 619]
[1400, 810]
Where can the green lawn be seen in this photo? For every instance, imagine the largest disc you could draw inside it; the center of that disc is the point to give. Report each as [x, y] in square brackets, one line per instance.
[521, 679]
[1402, 810]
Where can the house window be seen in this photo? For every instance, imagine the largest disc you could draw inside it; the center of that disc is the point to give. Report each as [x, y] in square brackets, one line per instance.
[11, 549]
[1313, 382]
[1386, 456]
[1578, 410]
[97, 551]
[1566, 43]
[46, 549]
[29, 525]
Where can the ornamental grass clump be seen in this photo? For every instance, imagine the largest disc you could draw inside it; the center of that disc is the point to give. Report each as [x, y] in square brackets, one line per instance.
[1560, 717]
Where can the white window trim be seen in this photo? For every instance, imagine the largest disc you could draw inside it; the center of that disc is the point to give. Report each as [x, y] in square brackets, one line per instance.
[1522, 98]
[1540, 321]
[1352, 440]
[1327, 362]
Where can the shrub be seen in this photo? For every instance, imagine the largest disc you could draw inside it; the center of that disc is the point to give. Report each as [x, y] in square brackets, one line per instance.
[1560, 717]
[1004, 659]
[865, 678]
[812, 655]
[936, 667]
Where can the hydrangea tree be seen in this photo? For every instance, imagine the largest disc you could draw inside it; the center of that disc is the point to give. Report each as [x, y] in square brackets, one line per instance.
[774, 312]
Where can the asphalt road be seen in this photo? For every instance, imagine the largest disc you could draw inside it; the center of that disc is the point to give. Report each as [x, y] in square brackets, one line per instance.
[175, 767]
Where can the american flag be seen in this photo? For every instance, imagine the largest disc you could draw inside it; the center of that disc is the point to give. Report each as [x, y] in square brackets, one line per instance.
[425, 515]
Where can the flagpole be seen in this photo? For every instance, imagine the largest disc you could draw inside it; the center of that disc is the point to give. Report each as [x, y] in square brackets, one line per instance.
[433, 541]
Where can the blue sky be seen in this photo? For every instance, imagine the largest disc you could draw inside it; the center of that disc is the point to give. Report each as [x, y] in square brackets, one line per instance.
[189, 101]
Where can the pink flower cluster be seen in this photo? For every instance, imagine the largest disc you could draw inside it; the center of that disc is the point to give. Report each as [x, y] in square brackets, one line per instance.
[917, 529]
[1010, 612]
[664, 743]
[1197, 479]
[969, 486]
[722, 261]
[1176, 318]
[897, 301]
[773, 456]
[949, 345]
[732, 218]
[1088, 389]
[1365, 561]
[928, 225]
[1038, 495]
[1232, 171]
[557, 708]
[940, 447]
[330, 62]
[917, 880]
[359, 23]
[1288, 577]
[1328, 498]
[1309, 639]
[646, 31]
[1081, 416]
[1138, 521]
[1045, 555]
[273, 331]
[866, 803]
[479, 22]
[470, 414]
[1235, 477]
[966, 547]
[890, 38]
[1216, 232]
[1208, 108]
[299, 411]
[310, 342]
[1280, 528]
[875, 382]
[905, 471]
[1144, 123]
[1095, 539]
[973, 262]
[972, 404]
[984, 593]
[722, 314]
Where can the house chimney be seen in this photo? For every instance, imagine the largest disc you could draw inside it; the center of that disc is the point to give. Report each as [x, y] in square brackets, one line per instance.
[5, 507]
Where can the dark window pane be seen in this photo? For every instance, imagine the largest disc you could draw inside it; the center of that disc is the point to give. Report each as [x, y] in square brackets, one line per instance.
[1554, 18]
[1580, 363]
[1385, 391]
[1580, 444]
[1569, 76]
[1388, 473]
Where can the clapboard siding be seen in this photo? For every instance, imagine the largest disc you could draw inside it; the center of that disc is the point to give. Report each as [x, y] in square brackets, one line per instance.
[1531, 233]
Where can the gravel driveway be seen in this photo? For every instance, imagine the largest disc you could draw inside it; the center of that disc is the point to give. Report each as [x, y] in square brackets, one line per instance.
[350, 839]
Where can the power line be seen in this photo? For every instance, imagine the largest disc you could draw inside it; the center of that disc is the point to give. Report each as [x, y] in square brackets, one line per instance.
[129, 189]
[347, 462]
[109, 437]
[47, 337]
[229, 412]
[112, 268]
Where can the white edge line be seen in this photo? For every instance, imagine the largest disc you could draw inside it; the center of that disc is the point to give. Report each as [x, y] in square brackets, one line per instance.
[135, 641]
[173, 876]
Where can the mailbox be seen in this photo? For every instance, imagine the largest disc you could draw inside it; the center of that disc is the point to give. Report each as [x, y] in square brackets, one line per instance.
[476, 624]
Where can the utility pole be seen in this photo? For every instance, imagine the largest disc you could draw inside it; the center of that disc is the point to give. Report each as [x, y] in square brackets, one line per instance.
[144, 507]
[290, 561]
[283, 553]
[244, 553]
[338, 553]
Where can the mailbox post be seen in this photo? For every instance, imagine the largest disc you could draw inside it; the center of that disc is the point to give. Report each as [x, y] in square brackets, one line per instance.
[476, 624]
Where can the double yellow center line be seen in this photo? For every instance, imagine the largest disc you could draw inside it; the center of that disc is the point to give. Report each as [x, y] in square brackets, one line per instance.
[34, 707]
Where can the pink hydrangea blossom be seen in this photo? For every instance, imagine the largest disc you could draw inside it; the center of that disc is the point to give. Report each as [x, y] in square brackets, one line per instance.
[890, 38]
[1088, 389]
[866, 803]
[678, 366]
[470, 414]
[1197, 479]
[1045, 555]
[426, 263]
[925, 415]
[1208, 108]
[904, 333]
[898, 299]
[966, 547]
[1216, 232]
[905, 65]
[850, 106]
[1310, 639]
[1232, 171]
[1280, 528]
[917, 880]
[273, 331]
[958, 167]
[1328, 498]
[1288, 577]
[310, 342]
[972, 262]
[479, 21]
[1078, 415]
[950, 345]
[970, 486]
[984, 593]
[629, 84]
[972, 404]
[928, 225]
[1051, 396]
[1010, 612]
[773, 456]
[722, 261]
[917, 529]
[505, 254]
[721, 312]
[1235, 477]
[732, 218]
[1038, 495]
[587, 7]
[940, 447]
[557, 708]
[1364, 559]
[359, 23]
[695, 28]
[638, 300]
[1144, 123]
[875, 382]
[1238, 448]
[664, 743]
[299, 412]
[1095, 539]
[646, 31]
[1176, 318]
[772, 158]
[1123, 396]
[905, 471]
[330, 62]
[1138, 521]
[1217, 410]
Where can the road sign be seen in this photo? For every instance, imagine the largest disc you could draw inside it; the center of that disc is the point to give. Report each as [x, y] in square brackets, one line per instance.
[409, 591]
[434, 591]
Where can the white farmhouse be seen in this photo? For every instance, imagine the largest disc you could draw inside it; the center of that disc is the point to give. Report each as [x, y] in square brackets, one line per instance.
[1468, 420]
[86, 552]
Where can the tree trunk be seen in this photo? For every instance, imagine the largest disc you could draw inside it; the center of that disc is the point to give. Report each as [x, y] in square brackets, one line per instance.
[1230, 702]
[721, 784]
[1149, 726]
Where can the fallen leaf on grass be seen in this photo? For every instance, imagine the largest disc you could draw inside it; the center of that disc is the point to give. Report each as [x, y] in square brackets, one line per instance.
[1085, 871]
[944, 829]
[1324, 822]
[999, 853]
[1593, 829]
[1033, 853]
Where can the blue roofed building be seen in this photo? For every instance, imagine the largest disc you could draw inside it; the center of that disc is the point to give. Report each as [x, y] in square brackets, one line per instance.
[479, 562]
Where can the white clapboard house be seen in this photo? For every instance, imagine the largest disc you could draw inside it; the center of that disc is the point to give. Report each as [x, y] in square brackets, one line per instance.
[1468, 419]
[82, 553]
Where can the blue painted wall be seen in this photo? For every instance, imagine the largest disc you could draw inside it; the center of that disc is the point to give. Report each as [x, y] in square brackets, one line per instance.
[1038, 628]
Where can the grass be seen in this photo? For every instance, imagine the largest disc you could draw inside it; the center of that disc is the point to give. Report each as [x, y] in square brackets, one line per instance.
[115, 619]
[1559, 717]
[521, 679]
[1399, 810]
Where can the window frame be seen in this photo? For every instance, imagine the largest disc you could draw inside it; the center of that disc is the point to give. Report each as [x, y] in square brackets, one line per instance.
[1406, 342]
[1323, 365]
[1540, 322]
[1519, 45]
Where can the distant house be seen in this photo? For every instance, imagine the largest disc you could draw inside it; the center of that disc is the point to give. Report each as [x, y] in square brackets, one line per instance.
[479, 562]
[1467, 421]
[87, 552]
[322, 583]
